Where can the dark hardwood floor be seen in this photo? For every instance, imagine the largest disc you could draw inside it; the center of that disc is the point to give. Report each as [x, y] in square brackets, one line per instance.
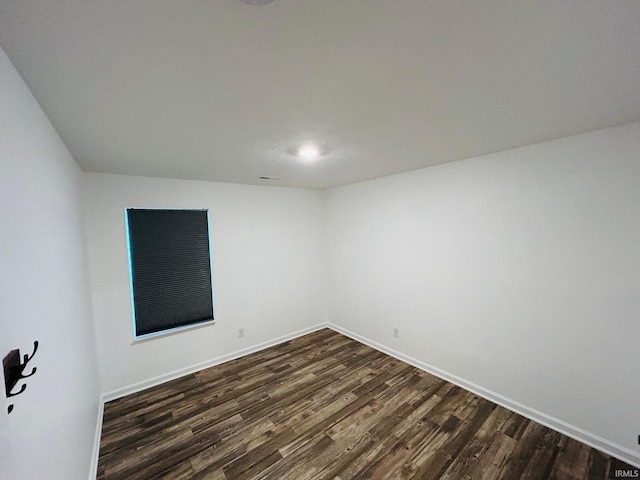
[324, 406]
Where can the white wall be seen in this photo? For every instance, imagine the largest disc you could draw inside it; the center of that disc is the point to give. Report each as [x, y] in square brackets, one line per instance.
[518, 272]
[43, 294]
[268, 270]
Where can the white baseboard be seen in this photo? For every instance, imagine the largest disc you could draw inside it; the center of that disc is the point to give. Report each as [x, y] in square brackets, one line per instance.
[93, 467]
[626, 455]
[137, 387]
[595, 441]
[152, 382]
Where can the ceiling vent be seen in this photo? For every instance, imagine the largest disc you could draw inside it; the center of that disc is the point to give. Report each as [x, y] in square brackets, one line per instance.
[258, 2]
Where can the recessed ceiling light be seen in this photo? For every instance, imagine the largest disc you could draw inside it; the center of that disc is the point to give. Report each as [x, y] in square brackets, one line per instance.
[308, 152]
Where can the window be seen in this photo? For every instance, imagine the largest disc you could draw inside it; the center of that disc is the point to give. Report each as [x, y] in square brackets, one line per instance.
[170, 269]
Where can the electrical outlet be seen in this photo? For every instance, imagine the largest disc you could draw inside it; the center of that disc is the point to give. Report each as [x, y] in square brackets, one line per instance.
[396, 332]
[241, 332]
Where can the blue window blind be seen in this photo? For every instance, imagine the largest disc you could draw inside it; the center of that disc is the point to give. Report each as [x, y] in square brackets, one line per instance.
[170, 267]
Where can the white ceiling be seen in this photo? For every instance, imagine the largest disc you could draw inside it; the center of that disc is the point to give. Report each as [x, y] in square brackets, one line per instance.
[220, 90]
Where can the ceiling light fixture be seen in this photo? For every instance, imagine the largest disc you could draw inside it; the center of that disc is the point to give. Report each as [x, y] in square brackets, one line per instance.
[308, 152]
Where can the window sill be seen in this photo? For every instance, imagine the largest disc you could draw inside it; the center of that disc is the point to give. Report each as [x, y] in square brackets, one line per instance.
[172, 331]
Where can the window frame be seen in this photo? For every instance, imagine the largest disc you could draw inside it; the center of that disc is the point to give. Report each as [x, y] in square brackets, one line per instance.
[173, 330]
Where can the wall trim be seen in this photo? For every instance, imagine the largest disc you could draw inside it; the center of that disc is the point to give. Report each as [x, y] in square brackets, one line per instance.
[622, 453]
[595, 441]
[152, 382]
[93, 467]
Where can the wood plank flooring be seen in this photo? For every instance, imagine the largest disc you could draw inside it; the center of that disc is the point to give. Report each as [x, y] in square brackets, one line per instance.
[323, 407]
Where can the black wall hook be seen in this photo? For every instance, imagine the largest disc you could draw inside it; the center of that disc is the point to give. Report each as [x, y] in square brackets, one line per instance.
[22, 389]
[14, 371]
[27, 358]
